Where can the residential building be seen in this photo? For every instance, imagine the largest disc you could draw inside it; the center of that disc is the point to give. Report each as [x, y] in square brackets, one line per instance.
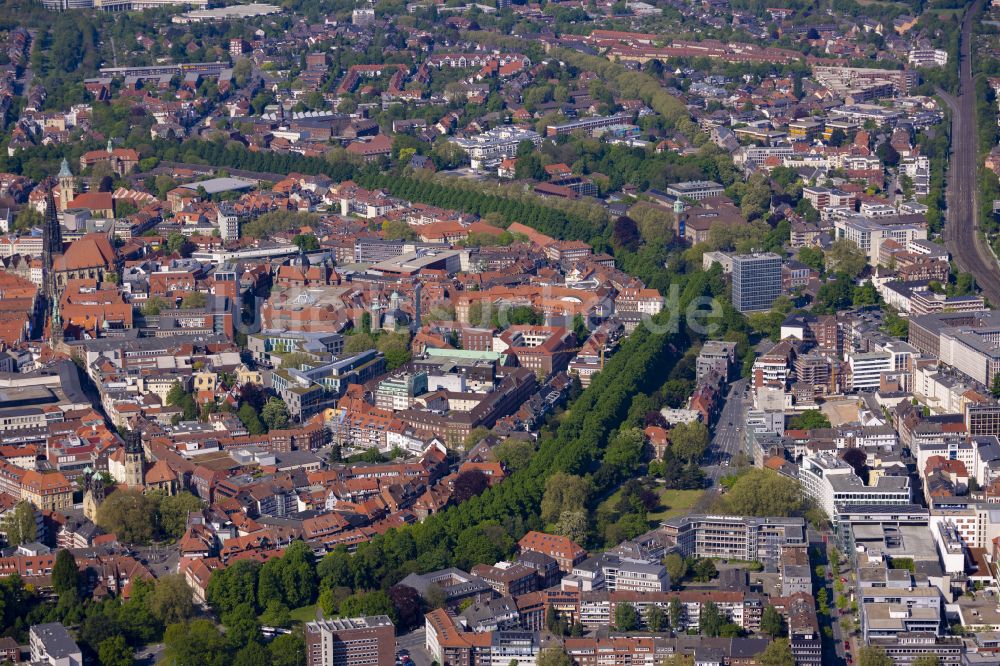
[51, 644]
[559, 548]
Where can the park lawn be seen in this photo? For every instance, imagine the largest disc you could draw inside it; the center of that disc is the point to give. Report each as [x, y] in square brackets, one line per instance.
[304, 614]
[677, 503]
[947, 11]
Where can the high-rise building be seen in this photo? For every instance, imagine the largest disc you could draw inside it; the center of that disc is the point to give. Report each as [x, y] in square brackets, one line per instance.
[358, 641]
[756, 281]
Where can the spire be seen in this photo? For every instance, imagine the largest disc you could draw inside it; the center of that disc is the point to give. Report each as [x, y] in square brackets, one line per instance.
[51, 232]
[64, 171]
[133, 440]
[111, 147]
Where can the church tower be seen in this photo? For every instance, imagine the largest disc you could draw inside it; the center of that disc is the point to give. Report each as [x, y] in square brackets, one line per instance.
[93, 495]
[67, 185]
[52, 247]
[134, 459]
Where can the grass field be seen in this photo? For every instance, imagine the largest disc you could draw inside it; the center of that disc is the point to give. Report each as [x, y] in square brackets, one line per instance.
[304, 614]
[676, 503]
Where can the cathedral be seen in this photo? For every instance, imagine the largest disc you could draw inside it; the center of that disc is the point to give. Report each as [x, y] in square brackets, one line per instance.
[52, 248]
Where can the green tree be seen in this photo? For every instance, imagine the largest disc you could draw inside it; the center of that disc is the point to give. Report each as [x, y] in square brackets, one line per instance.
[563, 492]
[306, 242]
[178, 242]
[20, 526]
[553, 656]
[772, 623]
[234, 585]
[288, 650]
[763, 492]
[777, 653]
[927, 660]
[704, 570]
[656, 619]
[846, 257]
[242, 71]
[397, 230]
[27, 219]
[194, 643]
[129, 514]
[172, 600]
[367, 603]
[676, 612]
[810, 419]
[173, 513]
[242, 626]
[154, 305]
[626, 617]
[676, 568]
[250, 420]
[624, 453]
[65, 573]
[252, 654]
[710, 621]
[812, 257]
[194, 300]
[689, 440]
[396, 347]
[873, 656]
[276, 615]
[114, 651]
[573, 525]
[275, 414]
[755, 201]
[515, 454]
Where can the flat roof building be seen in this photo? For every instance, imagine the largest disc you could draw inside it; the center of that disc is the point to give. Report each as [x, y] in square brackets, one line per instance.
[358, 641]
[756, 281]
[734, 537]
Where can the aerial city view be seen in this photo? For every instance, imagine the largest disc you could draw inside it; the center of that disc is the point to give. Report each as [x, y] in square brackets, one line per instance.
[500, 332]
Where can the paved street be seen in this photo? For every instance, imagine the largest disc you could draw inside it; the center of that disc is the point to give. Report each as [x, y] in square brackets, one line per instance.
[414, 642]
[160, 560]
[149, 655]
[727, 434]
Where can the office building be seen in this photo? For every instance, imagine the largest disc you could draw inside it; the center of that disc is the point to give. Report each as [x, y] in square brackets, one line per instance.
[894, 610]
[695, 189]
[358, 641]
[833, 484]
[869, 234]
[588, 124]
[734, 537]
[867, 368]
[904, 649]
[756, 281]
